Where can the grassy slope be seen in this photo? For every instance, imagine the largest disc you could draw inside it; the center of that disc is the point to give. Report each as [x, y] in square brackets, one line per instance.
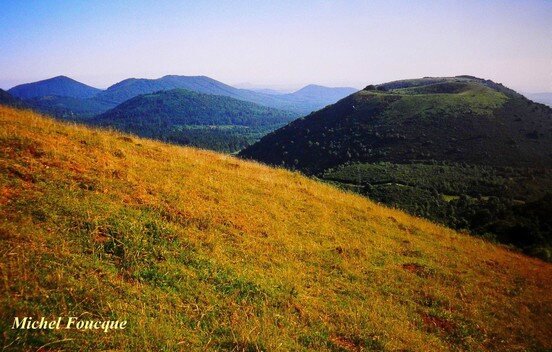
[199, 250]
[417, 102]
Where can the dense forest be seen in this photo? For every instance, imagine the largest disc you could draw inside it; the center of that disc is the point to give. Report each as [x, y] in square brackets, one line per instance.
[503, 204]
[184, 117]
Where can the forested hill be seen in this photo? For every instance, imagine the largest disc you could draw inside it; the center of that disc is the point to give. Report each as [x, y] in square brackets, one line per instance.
[8, 100]
[459, 119]
[186, 117]
[132, 87]
[303, 101]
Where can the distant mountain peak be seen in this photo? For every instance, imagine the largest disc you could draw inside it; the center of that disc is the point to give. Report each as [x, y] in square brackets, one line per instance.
[59, 86]
[62, 77]
[183, 76]
[308, 86]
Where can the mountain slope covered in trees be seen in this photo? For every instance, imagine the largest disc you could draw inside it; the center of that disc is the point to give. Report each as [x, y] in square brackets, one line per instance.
[202, 120]
[8, 100]
[69, 108]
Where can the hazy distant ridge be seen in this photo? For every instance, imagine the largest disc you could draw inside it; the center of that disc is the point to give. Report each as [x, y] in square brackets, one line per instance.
[60, 85]
[50, 95]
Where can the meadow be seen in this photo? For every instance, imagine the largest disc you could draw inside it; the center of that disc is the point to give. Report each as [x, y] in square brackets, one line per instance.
[202, 251]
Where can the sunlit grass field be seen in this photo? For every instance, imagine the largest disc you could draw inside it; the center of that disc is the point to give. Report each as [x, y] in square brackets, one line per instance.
[449, 99]
[203, 251]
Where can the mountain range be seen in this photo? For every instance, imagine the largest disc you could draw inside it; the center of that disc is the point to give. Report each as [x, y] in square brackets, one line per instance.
[124, 105]
[67, 98]
[464, 151]
[305, 100]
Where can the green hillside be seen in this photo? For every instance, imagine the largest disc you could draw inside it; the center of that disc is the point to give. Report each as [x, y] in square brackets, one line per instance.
[488, 146]
[200, 251]
[190, 118]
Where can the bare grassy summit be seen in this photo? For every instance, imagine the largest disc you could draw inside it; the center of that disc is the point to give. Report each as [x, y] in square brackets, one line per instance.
[202, 251]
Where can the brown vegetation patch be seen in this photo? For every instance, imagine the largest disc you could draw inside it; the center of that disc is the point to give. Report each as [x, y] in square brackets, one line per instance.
[6, 194]
[344, 343]
[20, 172]
[231, 165]
[100, 235]
[125, 138]
[412, 253]
[35, 151]
[13, 146]
[418, 269]
[403, 228]
[436, 323]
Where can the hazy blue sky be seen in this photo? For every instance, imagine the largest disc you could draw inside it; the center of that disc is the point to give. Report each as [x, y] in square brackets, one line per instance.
[277, 43]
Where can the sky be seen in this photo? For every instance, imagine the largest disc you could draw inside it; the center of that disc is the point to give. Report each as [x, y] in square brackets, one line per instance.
[277, 44]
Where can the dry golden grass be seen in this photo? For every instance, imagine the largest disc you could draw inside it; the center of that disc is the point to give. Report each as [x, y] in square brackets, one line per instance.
[202, 251]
